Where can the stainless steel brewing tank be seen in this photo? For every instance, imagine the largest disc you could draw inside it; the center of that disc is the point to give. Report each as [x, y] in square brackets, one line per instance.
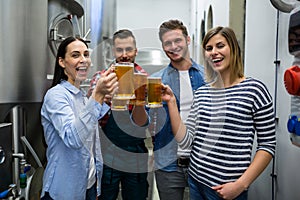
[23, 50]
[151, 59]
[23, 65]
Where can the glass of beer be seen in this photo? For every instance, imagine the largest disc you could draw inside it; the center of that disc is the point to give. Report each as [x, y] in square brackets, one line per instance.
[140, 88]
[119, 104]
[154, 92]
[124, 72]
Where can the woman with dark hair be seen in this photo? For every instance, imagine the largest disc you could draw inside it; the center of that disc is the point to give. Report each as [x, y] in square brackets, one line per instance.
[226, 114]
[70, 122]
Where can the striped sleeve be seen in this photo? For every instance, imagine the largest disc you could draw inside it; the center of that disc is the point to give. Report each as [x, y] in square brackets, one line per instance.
[264, 120]
[221, 129]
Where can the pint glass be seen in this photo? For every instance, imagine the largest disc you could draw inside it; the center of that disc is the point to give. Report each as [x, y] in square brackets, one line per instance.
[124, 72]
[154, 92]
[140, 86]
[119, 104]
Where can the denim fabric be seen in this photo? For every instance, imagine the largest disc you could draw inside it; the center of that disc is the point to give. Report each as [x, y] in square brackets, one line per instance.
[165, 146]
[134, 186]
[176, 183]
[70, 123]
[46, 196]
[91, 193]
[199, 191]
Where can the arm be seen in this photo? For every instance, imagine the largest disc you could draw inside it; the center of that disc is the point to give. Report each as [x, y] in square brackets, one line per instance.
[178, 128]
[258, 165]
[139, 115]
[68, 117]
[266, 140]
[233, 189]
[105, 85]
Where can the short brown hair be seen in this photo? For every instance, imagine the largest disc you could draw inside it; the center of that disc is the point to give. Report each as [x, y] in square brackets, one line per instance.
[122, 34]
[172, 24]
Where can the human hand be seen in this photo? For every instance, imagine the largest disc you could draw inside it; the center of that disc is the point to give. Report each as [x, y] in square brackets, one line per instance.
[93, 82]
[167, 94]
[229, 190]
[105, 86]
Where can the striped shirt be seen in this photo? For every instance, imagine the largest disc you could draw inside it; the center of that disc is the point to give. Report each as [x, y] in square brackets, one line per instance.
[221, 129]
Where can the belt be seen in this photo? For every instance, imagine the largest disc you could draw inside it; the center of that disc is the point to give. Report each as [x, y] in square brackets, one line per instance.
[183, 162]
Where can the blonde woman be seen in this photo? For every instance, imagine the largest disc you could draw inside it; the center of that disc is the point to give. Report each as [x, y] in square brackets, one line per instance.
[225, 116]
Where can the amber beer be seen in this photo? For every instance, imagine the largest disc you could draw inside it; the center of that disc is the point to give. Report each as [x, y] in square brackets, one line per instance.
[154, 92]
[140, 87]
[124, 72]
[119, 104]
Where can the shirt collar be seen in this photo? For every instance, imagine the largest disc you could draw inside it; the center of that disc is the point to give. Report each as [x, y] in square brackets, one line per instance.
[194, 66]
[69, 86]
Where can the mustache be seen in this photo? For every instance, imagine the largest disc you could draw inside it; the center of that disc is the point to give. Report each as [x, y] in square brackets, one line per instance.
[124, 60]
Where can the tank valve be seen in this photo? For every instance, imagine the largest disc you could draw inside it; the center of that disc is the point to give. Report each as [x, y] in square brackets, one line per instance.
[4, 194]
[2, 155]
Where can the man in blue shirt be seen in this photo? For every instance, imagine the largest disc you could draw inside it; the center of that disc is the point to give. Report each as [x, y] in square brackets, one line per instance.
[184, 76]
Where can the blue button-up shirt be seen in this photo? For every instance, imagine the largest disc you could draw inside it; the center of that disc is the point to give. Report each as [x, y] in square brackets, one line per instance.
[70, 123]
[165, 145]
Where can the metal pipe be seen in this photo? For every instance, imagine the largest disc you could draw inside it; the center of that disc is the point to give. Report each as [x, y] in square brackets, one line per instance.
[18, 125]
[2, 155]
[35, 156]
[76, 26]
[282, 6]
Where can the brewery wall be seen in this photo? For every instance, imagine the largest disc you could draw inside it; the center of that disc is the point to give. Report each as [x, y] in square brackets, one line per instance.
[144, 17]
[263, 50]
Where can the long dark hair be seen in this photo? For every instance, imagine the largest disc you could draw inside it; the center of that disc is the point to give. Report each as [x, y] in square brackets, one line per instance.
[59, 73]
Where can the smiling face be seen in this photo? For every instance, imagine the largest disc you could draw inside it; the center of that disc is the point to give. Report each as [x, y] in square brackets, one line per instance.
[125, 49]
[76, 62]
[217, 52]
[222, 54]
[175, 45]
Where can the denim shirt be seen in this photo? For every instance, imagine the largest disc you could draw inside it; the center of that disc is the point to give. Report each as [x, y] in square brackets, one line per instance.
[70, 123]
[165, 145]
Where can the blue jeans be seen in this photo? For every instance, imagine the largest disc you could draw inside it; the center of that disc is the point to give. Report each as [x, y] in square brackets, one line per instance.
[91, 193]
[199, 191]
[134, 186]
[46, 196]
[171, 185]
